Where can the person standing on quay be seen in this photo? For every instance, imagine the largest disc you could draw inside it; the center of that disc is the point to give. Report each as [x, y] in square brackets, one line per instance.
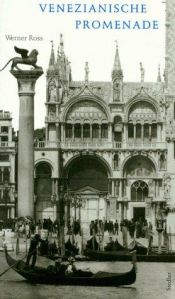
[124, 233]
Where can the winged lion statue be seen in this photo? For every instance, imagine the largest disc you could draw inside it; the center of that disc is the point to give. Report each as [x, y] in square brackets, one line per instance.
[29, 59]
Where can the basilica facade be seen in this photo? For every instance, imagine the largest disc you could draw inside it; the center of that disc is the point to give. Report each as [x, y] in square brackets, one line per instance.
[111, 144]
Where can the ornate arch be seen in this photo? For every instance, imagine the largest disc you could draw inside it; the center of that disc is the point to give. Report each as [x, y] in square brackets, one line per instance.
[141, 98]
[97, 157]
[88, 97]
[40, 161]
[130, 157]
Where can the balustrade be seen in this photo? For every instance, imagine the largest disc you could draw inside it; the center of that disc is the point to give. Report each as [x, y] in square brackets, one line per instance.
[7, 144]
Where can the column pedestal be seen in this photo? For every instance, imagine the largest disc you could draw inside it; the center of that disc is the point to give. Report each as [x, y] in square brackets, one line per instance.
[26, 90]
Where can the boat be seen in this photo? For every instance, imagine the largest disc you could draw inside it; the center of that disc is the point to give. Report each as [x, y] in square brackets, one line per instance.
[114, 251]
[139, 247]
[42, 275]
[120, 256]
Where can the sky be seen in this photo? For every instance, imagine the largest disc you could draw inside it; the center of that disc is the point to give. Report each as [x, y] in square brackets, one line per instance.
[97, 46]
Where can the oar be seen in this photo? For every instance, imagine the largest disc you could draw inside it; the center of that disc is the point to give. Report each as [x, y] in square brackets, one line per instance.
[11, 266]
[134, 259]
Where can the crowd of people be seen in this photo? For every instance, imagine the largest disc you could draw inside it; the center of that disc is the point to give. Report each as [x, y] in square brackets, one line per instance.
[140, 228]
[30, 227]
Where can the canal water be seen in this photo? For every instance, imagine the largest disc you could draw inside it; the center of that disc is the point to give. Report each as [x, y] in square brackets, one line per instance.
[154, 280]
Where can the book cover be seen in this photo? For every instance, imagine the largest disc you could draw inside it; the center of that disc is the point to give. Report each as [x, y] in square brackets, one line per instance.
[95, 151]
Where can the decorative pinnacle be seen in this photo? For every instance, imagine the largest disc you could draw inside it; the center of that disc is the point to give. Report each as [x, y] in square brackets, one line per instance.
[86, 72]
[61, 44]
[117, 70]
[142, 72]
[58, 54]
[159, 75]
[52, 55]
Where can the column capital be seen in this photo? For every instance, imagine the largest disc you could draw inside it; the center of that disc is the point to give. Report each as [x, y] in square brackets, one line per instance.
[26, 80]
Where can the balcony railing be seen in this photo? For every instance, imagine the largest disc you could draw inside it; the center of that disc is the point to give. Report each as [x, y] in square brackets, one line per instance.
[86, 144]
[145, 145]
[5, 114]
[7, 144]
[73, 144]
[44, 144]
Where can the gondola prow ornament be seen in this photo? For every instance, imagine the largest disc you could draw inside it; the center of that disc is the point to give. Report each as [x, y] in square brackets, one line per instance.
[30, 59]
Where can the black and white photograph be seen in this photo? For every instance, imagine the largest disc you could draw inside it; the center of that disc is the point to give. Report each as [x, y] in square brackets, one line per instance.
[87, 149]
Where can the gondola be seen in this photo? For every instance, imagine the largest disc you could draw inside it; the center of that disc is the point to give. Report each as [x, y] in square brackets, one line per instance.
[125, 255]
[120, 256]
[44, 276]
[139, 247]
[115, 252]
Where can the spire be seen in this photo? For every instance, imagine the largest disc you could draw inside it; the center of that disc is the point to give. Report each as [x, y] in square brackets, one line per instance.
[58, 54]
[61, 44]
[52, 55]
[159, 75]
[142, 72]
[117, 70]
[86, 79]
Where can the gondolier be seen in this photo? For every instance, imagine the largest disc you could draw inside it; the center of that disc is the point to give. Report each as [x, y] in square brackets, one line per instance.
[33, 250]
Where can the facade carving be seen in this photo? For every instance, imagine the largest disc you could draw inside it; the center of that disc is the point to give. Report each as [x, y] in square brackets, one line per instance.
[108, 142]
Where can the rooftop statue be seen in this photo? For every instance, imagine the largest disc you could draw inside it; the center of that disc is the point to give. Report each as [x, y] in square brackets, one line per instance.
[30, 59]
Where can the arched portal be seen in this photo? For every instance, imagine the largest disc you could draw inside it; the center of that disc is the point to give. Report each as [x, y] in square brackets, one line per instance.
[140, 186]
[43, 191]
[87, 171]
[88, 181]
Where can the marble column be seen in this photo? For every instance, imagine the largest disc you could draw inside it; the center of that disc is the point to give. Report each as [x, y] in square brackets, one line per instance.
[100, 132]
[57, 132]
[26, 90]
[62, 133]
[47, 133]
[82, 133]
[134, 133]
[112, 187]
[120, 189]
[159, 139]
[150, 132]
[12, 212]
[142, 133]
[91, 132]
[73, 132]
[126, 133]
[110, 133]
[64, 129]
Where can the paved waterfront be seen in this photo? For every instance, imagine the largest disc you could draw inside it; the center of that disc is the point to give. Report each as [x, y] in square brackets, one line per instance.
[151, 283]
